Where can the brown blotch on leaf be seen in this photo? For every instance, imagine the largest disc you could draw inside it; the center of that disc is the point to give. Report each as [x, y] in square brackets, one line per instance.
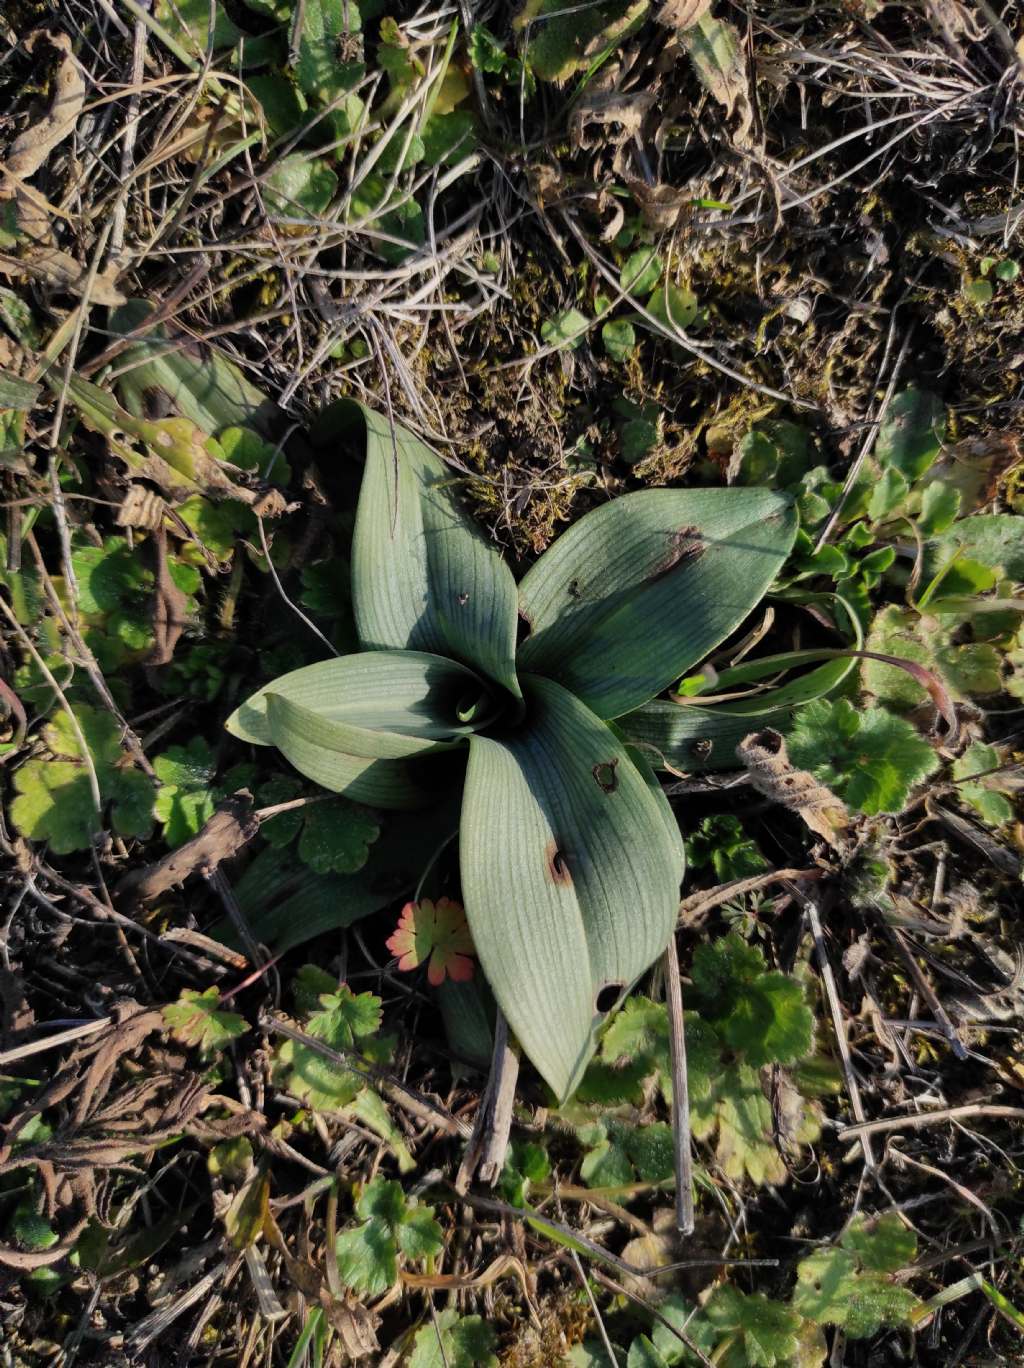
[685, 545]
[558, 867]
[606, 774]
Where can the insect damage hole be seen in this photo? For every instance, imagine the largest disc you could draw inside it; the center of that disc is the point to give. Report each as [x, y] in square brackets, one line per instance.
[558, 866]
[605, 772]
[607, 997]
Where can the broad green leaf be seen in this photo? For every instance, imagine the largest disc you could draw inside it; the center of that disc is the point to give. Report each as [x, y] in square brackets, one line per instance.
[673, 305]
[189, 22]
[994, 539]
[912, 432]
[851, 1285]
[641, 272]
[454, 1341]
[690, 737]
[196, 1019]
[348, 723]
[424, 577]
[368, 1255]
[619, 1153]
[984, 795]
[186, 798]
[299, 185]
[379, 704]
[53, 795]
[760, 1013]
[767, 1328]
[565, 329]
[158, 375]
[286, 903]
[566, 41]
[619, 338]
[885, 1245]
[867, 757]
[690, 1322]
[643, 1354]
[968, 668]
[644, 587]
[570, 876]
[302, 737]
[336, 837]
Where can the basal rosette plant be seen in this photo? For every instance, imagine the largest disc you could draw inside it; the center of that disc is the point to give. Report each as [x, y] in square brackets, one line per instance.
[570, 856]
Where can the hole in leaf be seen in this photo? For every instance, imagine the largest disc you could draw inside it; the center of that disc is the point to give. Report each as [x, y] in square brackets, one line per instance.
[607, 997]
[605, 774]
[558, 867]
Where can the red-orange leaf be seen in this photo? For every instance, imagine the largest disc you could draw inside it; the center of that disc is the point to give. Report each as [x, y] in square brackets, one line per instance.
[438, 932]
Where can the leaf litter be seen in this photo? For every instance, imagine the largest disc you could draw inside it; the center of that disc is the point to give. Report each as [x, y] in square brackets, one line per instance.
[748, 152]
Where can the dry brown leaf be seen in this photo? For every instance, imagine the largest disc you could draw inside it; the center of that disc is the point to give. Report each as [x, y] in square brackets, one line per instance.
[618, 113]
[355, 1324]
[682, 14]
[770, 770]
[31, 148]
[61, 271]
[140, 507]
[661, 205]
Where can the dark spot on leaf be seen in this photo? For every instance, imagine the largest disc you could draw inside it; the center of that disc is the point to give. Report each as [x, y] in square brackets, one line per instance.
[574, 589]
[558, 868]
[156, 403]
[607, 997]
[462, 600]
[685, 545]
[605, 774]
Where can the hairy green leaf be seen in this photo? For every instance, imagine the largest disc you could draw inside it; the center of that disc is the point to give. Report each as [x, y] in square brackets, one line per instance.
[196, 1019]
[53, 796]
[454, 1341]
[867, 757]
[767, 1328]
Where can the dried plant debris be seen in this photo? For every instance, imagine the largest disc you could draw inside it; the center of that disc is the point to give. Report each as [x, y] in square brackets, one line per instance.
[257, 1100]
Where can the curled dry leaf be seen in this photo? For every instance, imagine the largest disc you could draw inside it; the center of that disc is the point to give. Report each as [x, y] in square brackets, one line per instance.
[31, 148]
[60, 271]
[618, 113]
[661, 205]
[770, 770]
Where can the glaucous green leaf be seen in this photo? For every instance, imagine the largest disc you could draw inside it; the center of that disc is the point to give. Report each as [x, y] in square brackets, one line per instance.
[379, 704]
[688, 736]
[643, 587]
[424, 577]
[570, 876]
[299, 185]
